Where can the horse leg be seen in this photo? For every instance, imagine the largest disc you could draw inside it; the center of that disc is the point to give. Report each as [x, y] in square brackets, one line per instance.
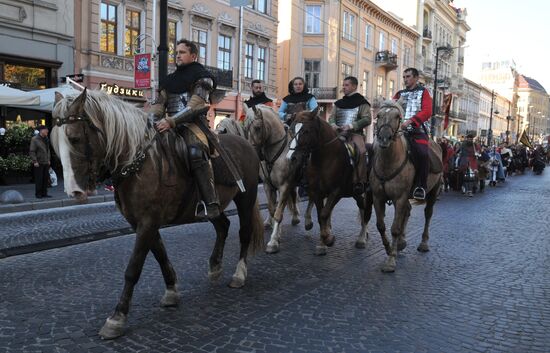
[402, 210]
[364, 215]
[273, 244]
[428, 211]
[221, 224]
[307, 216]
[323, 216]
[114, 325]
[294, 207]
[271, 196]
[380, 210]
[171, 296]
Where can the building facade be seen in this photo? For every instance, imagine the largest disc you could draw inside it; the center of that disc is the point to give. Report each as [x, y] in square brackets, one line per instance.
[469, 108]
[110, 32]
[326, 41]
[533, 106]
[36, 47]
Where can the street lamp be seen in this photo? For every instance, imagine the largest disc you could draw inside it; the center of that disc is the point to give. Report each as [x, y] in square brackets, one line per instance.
[490, 132]
[508, 118]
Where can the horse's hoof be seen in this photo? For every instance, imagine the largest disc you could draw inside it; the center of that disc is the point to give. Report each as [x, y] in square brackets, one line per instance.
[170, 298]
[215, 275]
[360, 244]
[329, 241]
[320, 250]
[423, 247]
[112, 328]
[309, 225]
[402, 244]
[236, 282]
[389, 265]
[272, 249]
[295, 222]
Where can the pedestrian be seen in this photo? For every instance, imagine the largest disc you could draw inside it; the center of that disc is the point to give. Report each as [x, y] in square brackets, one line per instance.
[39, 152]
[184, 95]
[258, 95]
[418, 109]
[349, 116]
[297, 100]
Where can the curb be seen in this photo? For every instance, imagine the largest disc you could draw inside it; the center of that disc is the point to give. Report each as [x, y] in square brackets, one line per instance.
[43, 205]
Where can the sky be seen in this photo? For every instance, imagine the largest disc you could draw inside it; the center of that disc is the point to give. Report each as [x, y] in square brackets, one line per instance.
[508, 29]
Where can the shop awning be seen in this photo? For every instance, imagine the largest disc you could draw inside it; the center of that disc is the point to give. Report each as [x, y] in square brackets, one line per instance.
[47, 97]
[12, 96]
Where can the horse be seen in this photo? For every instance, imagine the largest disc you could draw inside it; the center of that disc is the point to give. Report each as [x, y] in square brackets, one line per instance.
[153, 186]
[230, 126]
[267, 134]
[317, 150]
[392, 179]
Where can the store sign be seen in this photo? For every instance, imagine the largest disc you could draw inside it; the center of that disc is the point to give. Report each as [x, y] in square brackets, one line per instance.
[121, 91]
[142, 70]
[78, 78]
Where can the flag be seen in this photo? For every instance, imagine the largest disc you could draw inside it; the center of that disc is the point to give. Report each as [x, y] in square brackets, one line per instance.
[447, 100]
[524, 139]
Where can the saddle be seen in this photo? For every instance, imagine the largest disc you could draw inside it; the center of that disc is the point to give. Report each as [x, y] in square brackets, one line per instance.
[434, 156]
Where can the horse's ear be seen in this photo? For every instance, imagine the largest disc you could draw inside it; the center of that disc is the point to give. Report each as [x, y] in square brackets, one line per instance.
[80, 101]
[257, 112]
[58, 97]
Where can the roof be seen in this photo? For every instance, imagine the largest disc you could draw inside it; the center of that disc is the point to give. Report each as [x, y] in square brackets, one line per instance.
[528, 82]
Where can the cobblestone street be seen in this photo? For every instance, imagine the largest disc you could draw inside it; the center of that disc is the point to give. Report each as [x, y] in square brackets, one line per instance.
[483, 287]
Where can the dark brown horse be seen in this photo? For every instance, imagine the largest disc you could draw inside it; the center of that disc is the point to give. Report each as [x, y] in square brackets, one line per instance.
[316, 146]
[153, 185]
[392, 178]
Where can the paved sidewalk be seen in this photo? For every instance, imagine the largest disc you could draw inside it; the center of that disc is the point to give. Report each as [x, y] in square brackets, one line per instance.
[59, 198]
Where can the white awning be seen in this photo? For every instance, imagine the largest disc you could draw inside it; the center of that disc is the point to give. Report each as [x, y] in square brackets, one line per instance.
[12, 96]
[47, 97]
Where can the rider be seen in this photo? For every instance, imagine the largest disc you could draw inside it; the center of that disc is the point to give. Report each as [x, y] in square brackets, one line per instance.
[418, 109]
[298, 99]
[258, 95]
[350, 116]
[186, 92]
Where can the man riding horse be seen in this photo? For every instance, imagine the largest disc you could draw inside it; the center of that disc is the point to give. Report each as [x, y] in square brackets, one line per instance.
[418, 109]
[184, 95]
[349, 117]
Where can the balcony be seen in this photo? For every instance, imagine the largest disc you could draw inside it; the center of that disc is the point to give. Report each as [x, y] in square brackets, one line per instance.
[324, 92]
[427, 35]
[386, 59]
[443, 83]
[224, 78]
[460, 60]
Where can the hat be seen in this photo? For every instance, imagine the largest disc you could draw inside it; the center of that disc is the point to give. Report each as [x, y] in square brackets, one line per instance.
[42, 127]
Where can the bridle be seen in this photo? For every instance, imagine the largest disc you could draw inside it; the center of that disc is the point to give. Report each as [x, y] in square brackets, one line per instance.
[263, 146]
[394, 133]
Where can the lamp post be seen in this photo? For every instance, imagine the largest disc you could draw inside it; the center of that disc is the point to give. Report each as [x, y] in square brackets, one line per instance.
[490, 132]
[508, 118]
[446, 48]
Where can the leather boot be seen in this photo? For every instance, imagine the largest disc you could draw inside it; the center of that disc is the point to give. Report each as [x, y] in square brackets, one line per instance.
[204, 177]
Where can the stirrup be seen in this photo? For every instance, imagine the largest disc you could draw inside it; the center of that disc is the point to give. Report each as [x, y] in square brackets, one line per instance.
[419, 193]
[198, 212]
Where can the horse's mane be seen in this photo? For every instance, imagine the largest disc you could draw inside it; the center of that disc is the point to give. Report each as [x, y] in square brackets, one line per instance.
[124, 126]
[390, 103]
[231, 126]
[250, 114]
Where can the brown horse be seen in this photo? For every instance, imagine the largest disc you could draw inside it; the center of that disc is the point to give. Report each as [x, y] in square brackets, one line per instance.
[392, 178]
[153, 185]
[267, 134]
[316, 146]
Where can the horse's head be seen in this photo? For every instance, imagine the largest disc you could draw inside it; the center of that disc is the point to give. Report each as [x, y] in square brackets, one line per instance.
[388, 122]
[78, 144]
[305, 131]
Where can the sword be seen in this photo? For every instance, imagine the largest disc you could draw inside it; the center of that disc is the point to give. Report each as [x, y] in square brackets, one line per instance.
[223, 153]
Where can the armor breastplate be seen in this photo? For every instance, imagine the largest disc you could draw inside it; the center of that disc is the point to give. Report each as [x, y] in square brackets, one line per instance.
[176, 103]
[295, 107]
[346, 116]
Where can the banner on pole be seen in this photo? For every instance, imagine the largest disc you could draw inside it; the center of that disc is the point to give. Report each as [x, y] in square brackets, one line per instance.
[524, 139]
[142, 70]
[447, 100]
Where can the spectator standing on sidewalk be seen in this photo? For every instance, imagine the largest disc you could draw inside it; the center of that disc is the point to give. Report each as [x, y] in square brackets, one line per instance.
[40, 155]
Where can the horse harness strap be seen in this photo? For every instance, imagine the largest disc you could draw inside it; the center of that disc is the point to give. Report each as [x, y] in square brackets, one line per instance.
[395, 173]
[136, 164]
[270, 163]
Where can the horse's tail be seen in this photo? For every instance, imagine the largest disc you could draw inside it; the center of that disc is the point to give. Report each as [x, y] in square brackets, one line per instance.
[257, 242]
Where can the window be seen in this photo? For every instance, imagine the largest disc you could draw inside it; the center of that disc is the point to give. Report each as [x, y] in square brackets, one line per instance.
[248, 60]
[407, 57]
[382, 41]
[172, 40]
[346, 70]
[133, 24]
[312, 71]
[28, 77]
[260, 6]
[391, 87]
[347, 25]
[261, 63]
[379, 85]
[313, 19]
[394, 46]
[368, 36]
[200, 38]
[365, 83]
[108, 28]
[224, 52]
